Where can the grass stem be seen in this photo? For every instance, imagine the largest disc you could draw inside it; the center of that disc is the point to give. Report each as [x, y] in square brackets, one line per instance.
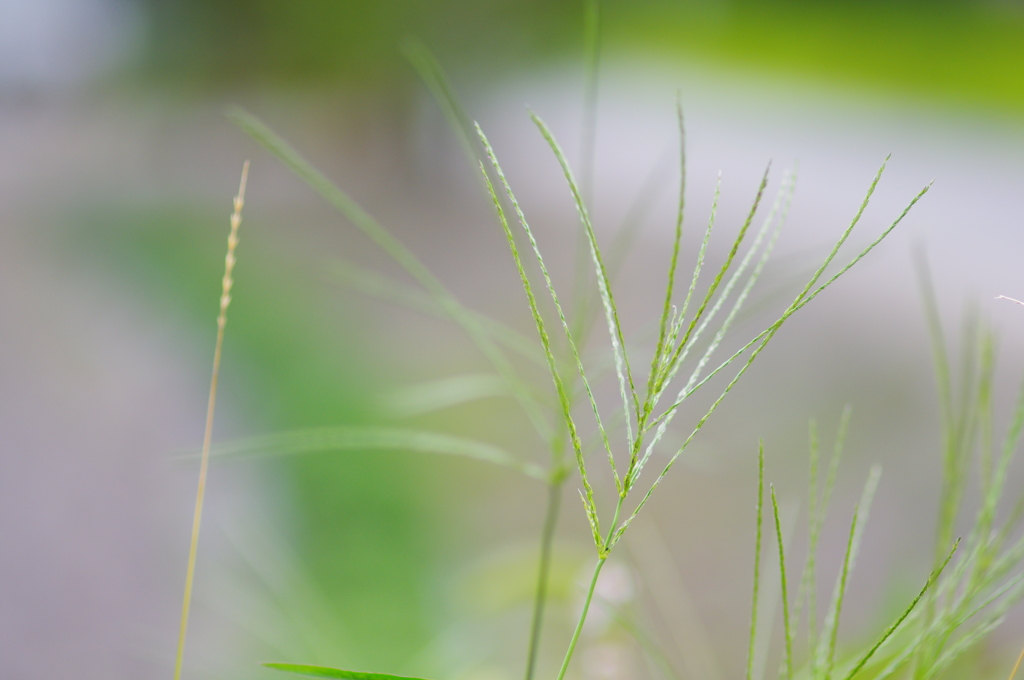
[1020, 658]
[583, 615]
[222, 320]
[543, 570]
[757, 560]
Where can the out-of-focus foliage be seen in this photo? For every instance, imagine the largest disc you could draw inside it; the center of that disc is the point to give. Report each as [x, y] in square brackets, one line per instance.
[961, 51]
[354, 40]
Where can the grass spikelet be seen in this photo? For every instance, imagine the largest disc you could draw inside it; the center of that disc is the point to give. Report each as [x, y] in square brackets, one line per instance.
[222, 319]
[656, 360]
[608, 300]
[554, 298]
[788, 632]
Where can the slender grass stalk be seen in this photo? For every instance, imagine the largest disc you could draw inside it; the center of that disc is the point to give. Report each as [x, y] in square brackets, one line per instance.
[754, 600]
[543, 573]
[788, 633]
[583, 616]
[434, 77]
[364, 438]
[204, 464]
[1020, 658]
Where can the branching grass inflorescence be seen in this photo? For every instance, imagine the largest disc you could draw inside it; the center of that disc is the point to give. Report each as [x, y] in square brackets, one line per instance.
[679, 333]
[962, 599]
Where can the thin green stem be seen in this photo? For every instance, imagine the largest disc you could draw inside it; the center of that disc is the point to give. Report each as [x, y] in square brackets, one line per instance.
[583, 616]
[543, 571]
[757, 560]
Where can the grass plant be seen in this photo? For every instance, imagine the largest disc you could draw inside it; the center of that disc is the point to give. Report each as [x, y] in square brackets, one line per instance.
[682, 341]
[971, 584]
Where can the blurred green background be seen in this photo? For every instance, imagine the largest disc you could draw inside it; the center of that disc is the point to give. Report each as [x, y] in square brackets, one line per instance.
[395, 551]
[964, 53]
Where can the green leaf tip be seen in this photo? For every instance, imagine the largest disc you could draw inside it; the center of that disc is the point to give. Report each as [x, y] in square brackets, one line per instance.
[327, 672]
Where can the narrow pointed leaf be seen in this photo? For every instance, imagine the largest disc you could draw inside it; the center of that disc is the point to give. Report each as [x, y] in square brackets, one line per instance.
[376, 232]
[354, 437]
[326, 672]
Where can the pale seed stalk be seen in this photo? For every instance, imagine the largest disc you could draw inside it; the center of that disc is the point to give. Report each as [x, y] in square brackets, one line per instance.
[222, 320]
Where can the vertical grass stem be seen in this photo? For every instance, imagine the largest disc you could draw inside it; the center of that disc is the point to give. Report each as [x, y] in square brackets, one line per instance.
[222, 320]
[540, 598]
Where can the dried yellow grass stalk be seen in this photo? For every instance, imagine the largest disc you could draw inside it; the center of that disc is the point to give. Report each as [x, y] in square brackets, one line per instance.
[222, 320]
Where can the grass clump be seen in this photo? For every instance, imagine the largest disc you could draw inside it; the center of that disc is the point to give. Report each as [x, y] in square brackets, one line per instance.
[688, 338]
[972, 583]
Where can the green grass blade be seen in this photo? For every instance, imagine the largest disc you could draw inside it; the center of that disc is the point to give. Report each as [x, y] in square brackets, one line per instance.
[337, 673]
[394, 248]
[788, 632]
[434, 77]
[357, 437]
[987, 373]
[386, 288]
[817, 508]
[551, 290]
[902, 617]
[757, 561]
[607, 299]
[435, 395]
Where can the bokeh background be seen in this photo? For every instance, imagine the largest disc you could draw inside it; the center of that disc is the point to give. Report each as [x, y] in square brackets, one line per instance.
[117, 168]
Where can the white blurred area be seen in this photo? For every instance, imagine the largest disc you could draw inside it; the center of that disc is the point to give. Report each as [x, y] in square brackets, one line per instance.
[53, 45]
[96, 393]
